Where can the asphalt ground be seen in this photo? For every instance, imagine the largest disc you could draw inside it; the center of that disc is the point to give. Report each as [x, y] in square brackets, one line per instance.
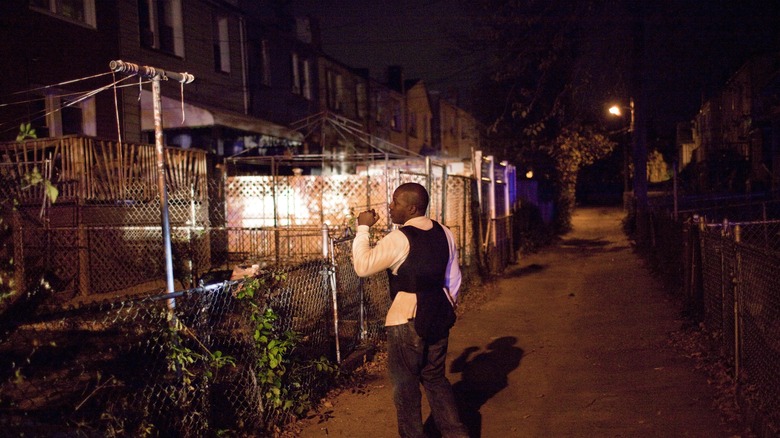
[572, 341]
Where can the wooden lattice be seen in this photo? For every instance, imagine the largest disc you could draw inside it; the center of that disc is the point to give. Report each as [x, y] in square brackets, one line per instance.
[90, 169]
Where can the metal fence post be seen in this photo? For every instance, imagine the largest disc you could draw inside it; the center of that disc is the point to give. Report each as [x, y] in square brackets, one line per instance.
[492, 222]
[190, 235]
[277, 241]
[736, 281]
[156, 75]
[724, 311]
[325, 241]
[428, 176]
[508, 213]
[697, 269]
[444, 194]
[329, 255]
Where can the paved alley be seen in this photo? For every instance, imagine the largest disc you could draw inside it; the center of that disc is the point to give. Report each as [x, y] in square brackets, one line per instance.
[571, 342]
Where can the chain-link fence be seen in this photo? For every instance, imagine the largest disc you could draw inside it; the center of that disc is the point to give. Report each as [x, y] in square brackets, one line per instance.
[103, 237]
[90, 343]
[121, 367]
[727, 273]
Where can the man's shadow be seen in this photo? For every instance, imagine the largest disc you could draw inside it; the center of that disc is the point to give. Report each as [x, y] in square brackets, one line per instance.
[482, 377]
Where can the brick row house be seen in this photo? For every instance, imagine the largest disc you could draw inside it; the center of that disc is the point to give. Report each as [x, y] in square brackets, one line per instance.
[732, 142]
[261, 81]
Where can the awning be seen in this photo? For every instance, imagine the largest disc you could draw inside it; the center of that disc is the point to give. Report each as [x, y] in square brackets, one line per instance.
[199, 116]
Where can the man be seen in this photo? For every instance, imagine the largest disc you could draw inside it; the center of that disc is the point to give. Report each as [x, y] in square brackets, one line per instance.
[422, 264]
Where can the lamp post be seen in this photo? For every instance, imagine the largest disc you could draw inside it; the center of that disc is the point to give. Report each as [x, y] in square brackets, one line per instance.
[617, 111]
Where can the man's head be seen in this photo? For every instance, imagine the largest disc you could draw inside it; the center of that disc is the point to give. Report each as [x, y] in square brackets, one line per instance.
[409, 200]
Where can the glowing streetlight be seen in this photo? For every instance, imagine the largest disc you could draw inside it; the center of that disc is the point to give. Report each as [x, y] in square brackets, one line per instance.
[617, 111]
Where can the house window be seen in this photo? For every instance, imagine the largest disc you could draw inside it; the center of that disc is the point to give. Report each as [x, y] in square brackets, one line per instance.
[413, 124]
[57, 116]
[265, 64]
[160, 25]
[335, 89]
[38, 117]
[221, 44]
[301, 76]
[379, 112]
[306, 84]
[339, 92]
[395, 121]
[360, 92]
[296, 74]
[82, 11]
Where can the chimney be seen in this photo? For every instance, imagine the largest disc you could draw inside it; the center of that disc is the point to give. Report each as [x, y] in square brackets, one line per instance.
[395, 78]
[307, 30]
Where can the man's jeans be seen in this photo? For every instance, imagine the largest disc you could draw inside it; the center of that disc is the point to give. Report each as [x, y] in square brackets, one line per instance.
[412, 361]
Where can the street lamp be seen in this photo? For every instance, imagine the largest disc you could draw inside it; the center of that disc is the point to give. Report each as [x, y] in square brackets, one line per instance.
[617, 110]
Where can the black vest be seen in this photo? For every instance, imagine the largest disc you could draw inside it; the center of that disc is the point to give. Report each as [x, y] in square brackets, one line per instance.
[424, 273]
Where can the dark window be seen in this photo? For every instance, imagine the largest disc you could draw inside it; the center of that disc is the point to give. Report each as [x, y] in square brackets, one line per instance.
[37, 117]
[159, 25]
[82, 11]
[71, 120]
[265, 64]
[221, 44]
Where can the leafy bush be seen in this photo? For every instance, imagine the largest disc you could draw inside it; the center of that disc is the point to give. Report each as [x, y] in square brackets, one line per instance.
[281, 373]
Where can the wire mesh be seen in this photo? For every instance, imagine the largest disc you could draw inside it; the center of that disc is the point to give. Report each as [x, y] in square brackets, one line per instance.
[294, 201]
[763, 234]
[362, 302]
[712, 280]
[458, 216]
[759, 318]
[733, 264]
[104, 367]
[100, 369]
[500, 254]
[112, 369]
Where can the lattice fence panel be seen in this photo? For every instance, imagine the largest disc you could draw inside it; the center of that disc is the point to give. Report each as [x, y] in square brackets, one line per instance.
[249, 202]
[458, 217]
[296, 201]
[63, 251]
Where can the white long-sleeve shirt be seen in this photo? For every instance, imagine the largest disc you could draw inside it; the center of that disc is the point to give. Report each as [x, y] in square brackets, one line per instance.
[390, 253]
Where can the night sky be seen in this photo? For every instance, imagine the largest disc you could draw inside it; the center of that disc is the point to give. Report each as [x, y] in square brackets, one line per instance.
[375, 33]
[691, 47]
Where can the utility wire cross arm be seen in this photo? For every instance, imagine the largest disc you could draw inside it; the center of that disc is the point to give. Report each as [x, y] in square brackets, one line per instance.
[119, 66]
[157, 75]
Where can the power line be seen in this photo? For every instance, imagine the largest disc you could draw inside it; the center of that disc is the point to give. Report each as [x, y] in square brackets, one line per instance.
[44, 113]
[71, 81]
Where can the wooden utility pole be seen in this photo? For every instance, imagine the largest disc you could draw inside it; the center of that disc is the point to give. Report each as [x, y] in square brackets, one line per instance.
[639, 122]
[156, 75]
